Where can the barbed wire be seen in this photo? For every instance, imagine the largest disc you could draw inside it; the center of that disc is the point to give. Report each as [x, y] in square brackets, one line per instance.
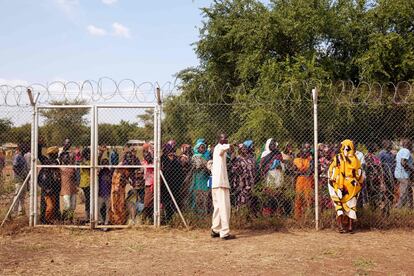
[106, 90]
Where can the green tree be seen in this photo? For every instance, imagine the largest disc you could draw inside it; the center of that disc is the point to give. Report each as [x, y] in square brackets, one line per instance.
[125, 131]
[5, 127]
[108, 135]
[62, 123]
[258, 63]
[146, 119]
[20, 134]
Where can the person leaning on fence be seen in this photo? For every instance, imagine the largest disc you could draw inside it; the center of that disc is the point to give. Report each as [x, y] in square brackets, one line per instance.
[304, 181]
[244, 171]
[200, 192]
[346, 178]
[20, 172]
[85, 180]
[120, 179]
[49, 180]
[69, 187]
[404, 173]
[289, 178]
[221, 191]
[325, 160]
[388, 167]
[185, 160]
[148, 153]
[104, 192]
[271, 174]
[43, 160]
[173, 173]
[135, 196]
[374, 178]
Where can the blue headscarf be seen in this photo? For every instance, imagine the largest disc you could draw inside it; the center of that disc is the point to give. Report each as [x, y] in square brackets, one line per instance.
[248, 144]
[206, 155]
[196, 147]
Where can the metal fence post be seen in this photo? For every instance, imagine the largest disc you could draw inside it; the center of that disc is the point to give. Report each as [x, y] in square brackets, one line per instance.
[34, 160]
[155, 168]
[92, 163]
[95, 167]
[157, 160]
[33, 157]
[316, 158]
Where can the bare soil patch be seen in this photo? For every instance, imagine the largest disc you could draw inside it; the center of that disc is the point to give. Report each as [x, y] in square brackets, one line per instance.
[42, 251]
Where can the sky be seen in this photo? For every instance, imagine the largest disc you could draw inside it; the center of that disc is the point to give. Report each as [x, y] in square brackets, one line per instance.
[47, 40]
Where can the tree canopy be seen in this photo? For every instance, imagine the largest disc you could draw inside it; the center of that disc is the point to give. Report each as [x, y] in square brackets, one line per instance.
[247, 48]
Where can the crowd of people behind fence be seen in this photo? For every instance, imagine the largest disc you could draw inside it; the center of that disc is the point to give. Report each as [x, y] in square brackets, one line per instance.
[278, 180]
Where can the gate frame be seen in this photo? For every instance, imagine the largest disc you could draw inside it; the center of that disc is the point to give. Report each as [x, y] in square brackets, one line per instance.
[156, 166]
[35, 157]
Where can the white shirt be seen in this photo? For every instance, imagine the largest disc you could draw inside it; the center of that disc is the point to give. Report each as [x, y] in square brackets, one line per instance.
[361, 157]
[220, 177]
[28, 159]
[400, 172]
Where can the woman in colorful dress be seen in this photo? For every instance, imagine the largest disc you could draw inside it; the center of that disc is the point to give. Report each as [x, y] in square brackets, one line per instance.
[289, 178]
[244, 175]
[85, 181]
[69, 188]
[185, 160]
[346, 178]
[271, 173]
[149, 178]
[200, 192]
[304, 181]
[120, 179]
[325, 160]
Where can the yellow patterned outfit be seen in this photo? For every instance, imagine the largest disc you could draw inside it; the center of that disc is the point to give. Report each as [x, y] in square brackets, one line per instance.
[346, 179]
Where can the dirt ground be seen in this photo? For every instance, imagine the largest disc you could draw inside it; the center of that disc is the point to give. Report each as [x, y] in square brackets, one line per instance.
[139, 251]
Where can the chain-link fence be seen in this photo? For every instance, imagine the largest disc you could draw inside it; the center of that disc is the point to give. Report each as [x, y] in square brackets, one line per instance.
[88, 159]
[63, 171]
[14, 152]
[97, 163]
[378, 119]
[271, 163]
[126, 165]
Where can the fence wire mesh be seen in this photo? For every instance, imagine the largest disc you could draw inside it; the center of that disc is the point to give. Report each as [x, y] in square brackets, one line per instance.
[14, 158]
[63, 168]
[270, 163]
[126, 140]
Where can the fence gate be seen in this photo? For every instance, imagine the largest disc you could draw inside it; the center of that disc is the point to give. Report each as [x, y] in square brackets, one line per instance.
[99, 164]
